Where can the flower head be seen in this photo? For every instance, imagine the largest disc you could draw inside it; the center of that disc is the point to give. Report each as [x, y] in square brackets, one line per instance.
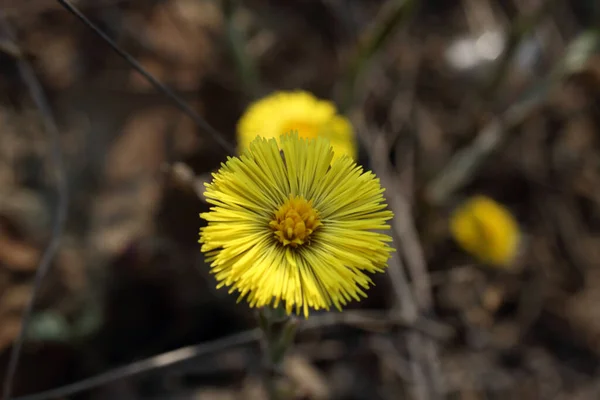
[289, 225]
[487, 230]
[282, 112]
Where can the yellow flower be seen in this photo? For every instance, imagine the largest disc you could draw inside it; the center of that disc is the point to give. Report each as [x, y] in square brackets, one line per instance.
[282, 112]
[487, 230]
[289, 225]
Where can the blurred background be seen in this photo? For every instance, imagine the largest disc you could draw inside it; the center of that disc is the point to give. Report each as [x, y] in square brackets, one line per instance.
[449, 99]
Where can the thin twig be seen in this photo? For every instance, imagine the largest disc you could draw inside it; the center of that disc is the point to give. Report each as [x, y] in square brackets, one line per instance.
[424, 362]
[160, 361]
[406, 296]
[361, 320]
[20, 9]
[178, 101]
[37, 94]
[403, 225]
[184, 175]
[415, 300]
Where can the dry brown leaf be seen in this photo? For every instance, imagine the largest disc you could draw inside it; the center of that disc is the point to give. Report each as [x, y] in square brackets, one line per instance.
[71, 265]
[306, 377]
[139, 150]
[253, 389]
[583, 313]
[14, 299]
[493, 297]
[9, 329]
[56, 57]
[215, 394]
[17, 255]
[179, 31]
[125, 205]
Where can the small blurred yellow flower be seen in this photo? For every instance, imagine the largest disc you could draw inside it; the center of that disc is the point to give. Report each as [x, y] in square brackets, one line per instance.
[487, 230]
[282, 112]
[289, 225]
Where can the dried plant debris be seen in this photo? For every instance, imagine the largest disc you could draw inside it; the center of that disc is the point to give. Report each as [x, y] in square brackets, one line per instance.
[461, 100]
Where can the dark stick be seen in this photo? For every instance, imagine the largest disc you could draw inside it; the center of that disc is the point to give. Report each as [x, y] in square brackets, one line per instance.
[159, 361]
[360, 320]
[181, 104]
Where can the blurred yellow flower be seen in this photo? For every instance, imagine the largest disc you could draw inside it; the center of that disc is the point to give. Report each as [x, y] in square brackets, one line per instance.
[487, 230]
[300, 111]
[289, 225]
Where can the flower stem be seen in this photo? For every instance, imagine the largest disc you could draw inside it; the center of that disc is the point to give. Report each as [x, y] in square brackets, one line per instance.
[236, 40]
[279, 330]
[393, 15]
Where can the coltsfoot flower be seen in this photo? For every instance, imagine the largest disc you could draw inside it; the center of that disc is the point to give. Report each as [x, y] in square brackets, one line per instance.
[282, 112]
[290, 226]
[487, 230]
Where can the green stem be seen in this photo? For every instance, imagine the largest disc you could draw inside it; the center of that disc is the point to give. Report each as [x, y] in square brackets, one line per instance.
[395, 14]
[279, 331]
[237, 44]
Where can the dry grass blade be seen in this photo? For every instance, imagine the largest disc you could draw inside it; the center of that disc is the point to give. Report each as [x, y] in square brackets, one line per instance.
[466, 162]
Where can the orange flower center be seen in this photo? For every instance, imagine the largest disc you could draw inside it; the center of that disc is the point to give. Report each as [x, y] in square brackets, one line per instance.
[305, 130]
[295, 221]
